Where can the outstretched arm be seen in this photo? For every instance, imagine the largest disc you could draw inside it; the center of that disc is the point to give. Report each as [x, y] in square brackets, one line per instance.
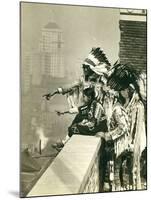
[64, 90]
[70, 111]
[49, 95]
[61, 113]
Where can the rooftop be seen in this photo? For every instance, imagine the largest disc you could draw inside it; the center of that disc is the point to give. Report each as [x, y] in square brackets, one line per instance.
[51, 25]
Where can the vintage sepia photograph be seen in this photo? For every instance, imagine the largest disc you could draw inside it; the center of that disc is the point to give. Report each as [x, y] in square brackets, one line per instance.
[83, 89]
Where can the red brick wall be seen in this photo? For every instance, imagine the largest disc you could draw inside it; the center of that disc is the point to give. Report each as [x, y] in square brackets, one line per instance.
[133, 43]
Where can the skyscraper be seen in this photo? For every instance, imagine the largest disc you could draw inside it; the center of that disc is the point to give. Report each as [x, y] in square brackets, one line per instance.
[26, 72]
[51, 49]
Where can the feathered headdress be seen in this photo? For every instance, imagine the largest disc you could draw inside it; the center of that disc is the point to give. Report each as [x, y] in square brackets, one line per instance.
[122, 76]
[97, 61]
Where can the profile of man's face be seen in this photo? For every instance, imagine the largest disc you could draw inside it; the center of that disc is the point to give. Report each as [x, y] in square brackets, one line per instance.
[86, 99]
[85, 69]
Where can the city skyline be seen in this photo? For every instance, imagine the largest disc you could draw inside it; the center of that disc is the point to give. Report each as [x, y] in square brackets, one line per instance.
[47, 61]
[81, 31]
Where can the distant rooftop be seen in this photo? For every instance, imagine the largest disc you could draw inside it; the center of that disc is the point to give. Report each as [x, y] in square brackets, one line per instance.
[51, 25]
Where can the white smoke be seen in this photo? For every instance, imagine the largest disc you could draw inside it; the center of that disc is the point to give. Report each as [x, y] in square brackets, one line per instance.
[42, 137]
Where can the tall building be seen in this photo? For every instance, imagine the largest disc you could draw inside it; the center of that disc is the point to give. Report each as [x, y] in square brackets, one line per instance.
[43, 72]
[133, 41]
[51, 49]
[26, 72]
[36, 68]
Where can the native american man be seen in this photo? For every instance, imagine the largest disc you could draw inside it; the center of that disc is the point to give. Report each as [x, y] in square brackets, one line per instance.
[126, 81]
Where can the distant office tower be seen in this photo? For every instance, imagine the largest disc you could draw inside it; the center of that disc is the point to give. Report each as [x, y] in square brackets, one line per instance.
[36, 68]
[26, 72]
[51, 48]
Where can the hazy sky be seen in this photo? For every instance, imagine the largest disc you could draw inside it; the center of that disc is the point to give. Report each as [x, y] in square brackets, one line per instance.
[83, 28]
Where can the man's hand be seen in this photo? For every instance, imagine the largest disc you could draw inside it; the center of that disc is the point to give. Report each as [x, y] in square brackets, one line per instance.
[108, 136]
[47, 96]
[100, 134]
[131, 147]
[59, 113]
